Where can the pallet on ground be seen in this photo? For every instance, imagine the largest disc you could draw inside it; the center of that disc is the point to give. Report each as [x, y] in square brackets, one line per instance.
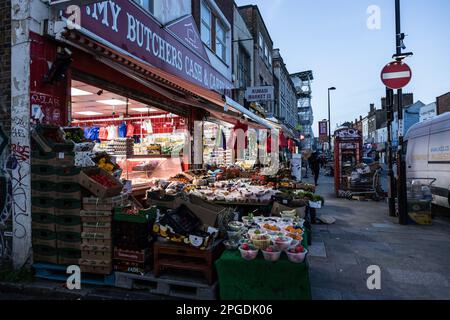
[168, 285]
[59, 273]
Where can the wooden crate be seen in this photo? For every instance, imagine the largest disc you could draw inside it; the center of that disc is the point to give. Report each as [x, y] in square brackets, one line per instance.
[170, 256]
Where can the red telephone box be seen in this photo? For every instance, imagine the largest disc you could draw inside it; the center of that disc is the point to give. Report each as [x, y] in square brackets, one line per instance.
[347, 154]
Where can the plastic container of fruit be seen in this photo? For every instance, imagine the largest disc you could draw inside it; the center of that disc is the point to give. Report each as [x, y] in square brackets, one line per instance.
[271, 256]
[231, 245]
[235, 226]
[261, 242]
[232, 235]
[250, 254]
[247, 220]
[297, 257]
[257, 232]
[282, 243]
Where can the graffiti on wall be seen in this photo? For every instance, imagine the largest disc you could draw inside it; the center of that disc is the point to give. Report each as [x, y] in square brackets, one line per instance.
[5, 200]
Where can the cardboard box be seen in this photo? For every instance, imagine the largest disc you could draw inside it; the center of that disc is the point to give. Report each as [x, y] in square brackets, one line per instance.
[96, 255]
[207, 212]
[105, 204]
[277, 208]
[96, 236]
[96, 216]
[97, 227]
[95, 266]
[105, 270]
[96, 188]
[96, 245]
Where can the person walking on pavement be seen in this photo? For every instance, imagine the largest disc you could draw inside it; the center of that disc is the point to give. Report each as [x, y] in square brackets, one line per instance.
[315, 167]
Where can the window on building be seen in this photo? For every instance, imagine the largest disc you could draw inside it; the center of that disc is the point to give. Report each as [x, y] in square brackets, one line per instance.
[261, 45]
[266, 52]
[243, 68]
[221, 41]
[270, 59]
[206, 18]
[146, 4]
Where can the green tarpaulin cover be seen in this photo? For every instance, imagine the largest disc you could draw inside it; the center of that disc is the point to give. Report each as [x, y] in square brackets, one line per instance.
[262, 280]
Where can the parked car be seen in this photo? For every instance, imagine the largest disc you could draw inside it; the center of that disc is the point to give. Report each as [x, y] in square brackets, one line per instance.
[428, 156]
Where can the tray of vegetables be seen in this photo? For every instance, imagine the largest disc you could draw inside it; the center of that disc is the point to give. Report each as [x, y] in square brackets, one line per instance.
[76, 135]
[100, 183]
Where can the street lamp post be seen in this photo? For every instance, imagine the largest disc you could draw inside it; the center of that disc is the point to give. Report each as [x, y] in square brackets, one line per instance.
[329, 117]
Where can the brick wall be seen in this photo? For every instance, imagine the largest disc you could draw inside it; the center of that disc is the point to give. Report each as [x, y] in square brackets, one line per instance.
[5, 65]
[443, 103]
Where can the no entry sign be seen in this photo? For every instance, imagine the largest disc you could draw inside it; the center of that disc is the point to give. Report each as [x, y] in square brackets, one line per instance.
[396, 75]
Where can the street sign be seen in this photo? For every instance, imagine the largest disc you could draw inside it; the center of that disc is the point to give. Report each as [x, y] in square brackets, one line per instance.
[260, 94]
[396, 75]
[323, 131]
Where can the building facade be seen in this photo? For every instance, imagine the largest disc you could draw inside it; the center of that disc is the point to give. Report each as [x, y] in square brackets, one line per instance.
[263, 48]
[286, 97]
[173, 55]
[428, 112]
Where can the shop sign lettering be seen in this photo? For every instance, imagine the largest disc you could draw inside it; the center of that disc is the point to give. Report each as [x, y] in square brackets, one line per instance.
[127, 27]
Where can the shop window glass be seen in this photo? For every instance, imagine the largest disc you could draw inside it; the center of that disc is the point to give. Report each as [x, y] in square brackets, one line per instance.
[261, 45]
[206, 25]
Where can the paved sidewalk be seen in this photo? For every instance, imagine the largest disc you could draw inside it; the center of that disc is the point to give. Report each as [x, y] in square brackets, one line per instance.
[50, 290]
[414, 260]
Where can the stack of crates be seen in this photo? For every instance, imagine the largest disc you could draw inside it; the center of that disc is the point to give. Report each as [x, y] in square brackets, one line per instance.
[133, 238]
[56, 200]
[97, 242]
[68, 197]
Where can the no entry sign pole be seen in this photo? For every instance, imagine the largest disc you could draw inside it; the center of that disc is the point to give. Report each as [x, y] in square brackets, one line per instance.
[395, 76]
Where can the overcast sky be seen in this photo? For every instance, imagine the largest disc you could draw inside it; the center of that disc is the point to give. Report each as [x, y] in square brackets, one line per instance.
[332, 39]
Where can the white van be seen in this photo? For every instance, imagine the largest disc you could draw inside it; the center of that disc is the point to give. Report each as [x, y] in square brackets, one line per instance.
[428, 155]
